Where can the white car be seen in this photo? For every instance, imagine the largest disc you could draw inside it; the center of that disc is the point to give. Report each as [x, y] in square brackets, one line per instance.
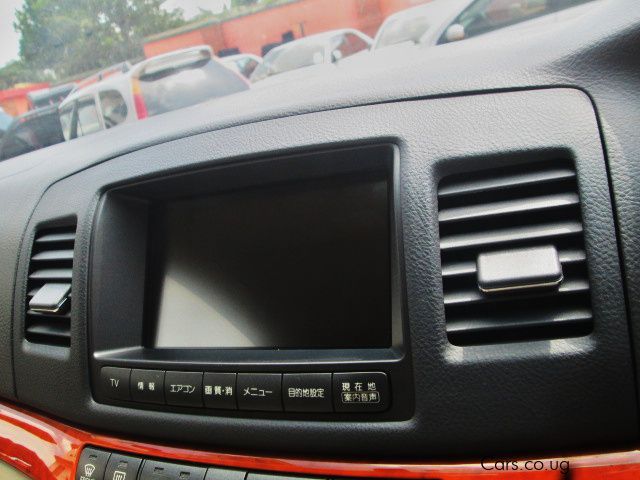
[243, 63]
[483, 17]
[415, 25]
[154, 86]
[325, 48]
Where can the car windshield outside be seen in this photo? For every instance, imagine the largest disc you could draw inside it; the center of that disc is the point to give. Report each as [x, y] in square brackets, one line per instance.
[76, 68]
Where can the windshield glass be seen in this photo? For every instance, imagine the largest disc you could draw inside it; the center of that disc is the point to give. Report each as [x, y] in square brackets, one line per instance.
[409, 28]
[103, 66]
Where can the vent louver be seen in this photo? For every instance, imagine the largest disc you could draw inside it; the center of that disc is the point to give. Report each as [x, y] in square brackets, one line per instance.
[513, 208]
[48, 299]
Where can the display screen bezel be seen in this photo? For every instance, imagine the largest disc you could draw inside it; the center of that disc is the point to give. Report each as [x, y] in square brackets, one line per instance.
[120, 260]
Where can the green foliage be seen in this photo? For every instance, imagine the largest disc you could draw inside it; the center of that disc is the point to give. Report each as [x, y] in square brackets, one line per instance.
[70, 37]
[67, 38]
[18, 72]
[243, 3]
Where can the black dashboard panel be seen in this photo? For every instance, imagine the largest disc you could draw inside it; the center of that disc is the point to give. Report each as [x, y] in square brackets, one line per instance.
[480, 105]
[549, 384]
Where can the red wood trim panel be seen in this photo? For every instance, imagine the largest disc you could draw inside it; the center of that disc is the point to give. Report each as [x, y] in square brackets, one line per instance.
[47, 449]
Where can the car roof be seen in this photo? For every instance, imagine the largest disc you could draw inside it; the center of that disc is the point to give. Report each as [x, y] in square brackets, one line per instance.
[315, 38]
[237, 56]
[174, 53]
[30, 115]
[436, 10]
[120, 81]
[48, 92]
[114, 82]
[38, 112]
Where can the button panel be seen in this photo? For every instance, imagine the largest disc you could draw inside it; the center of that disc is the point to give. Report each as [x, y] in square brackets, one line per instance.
[321, 392]
[95, 464]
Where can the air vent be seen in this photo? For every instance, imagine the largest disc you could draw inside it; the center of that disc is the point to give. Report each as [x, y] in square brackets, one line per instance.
[512, 214]
[48, 300]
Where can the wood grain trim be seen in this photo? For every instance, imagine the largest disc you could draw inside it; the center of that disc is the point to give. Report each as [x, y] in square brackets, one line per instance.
[47, 449]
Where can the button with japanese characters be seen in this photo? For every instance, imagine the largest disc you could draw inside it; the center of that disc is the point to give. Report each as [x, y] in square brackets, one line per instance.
[307, 392]
[183, 389]
[219, 390]
[147, 386]
[360, 392]
[260, 391]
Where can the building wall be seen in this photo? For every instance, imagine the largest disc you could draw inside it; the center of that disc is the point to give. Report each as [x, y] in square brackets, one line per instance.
[249, 33]
[388, 7]
[14, 101]
[176, 42]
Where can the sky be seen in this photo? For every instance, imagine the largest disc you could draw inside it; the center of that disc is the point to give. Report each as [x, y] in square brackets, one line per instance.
[9, 39]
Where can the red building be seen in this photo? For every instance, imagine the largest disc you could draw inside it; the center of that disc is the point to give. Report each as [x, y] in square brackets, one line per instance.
[251, 32]
[14, 101]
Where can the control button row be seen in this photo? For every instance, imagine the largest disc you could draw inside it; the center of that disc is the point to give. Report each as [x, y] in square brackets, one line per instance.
[97, 464]
[290, 392]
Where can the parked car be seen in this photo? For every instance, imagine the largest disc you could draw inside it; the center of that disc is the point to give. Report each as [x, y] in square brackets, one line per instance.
[49, 96]
[116, 69]
[31, 131]
[321, 49]
[410, 26]
[5, 121]
[486, 16]
[243, 63]
[157, 85]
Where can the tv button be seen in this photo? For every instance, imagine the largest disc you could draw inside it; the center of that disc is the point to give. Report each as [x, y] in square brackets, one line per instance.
[115, 382]
[307, 392]
[260, 391]
[183, 389]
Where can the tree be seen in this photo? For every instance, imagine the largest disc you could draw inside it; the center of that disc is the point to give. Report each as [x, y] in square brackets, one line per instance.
[243, 3]
[18, 72]
[74, 36]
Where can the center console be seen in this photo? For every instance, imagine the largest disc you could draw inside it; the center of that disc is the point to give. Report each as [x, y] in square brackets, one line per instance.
[268, 287]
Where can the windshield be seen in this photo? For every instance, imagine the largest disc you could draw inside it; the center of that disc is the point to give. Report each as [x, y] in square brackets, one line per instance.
[103, 66]
[408, 28]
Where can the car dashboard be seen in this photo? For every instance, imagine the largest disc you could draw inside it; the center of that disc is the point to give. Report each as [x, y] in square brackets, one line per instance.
[344, 219]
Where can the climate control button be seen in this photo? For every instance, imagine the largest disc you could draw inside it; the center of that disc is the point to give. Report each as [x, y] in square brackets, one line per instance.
[183, 389]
